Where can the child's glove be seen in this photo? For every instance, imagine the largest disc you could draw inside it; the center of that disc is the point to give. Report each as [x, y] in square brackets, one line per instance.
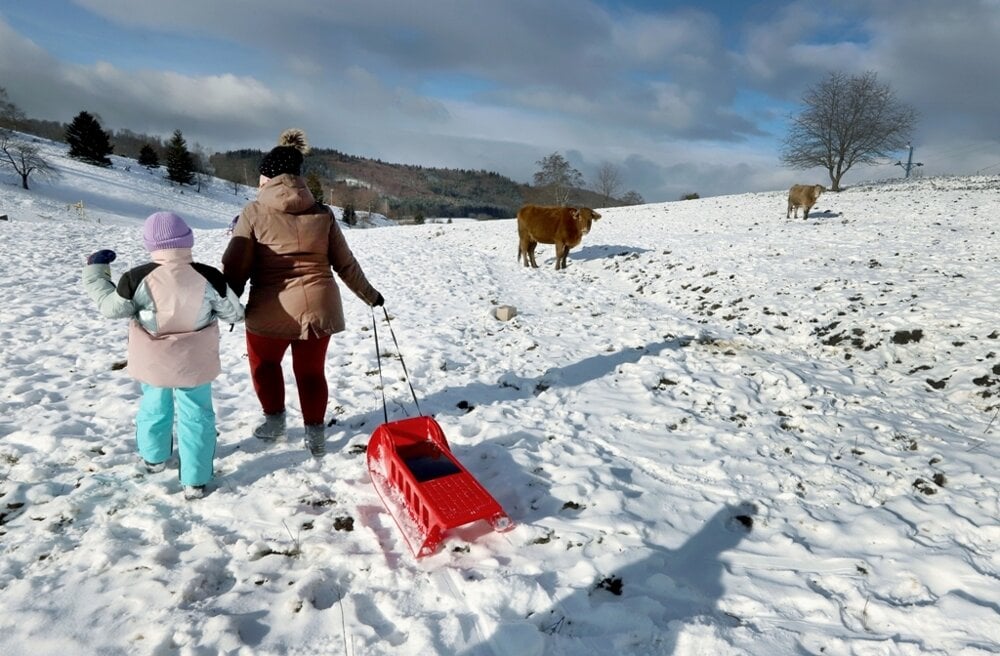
[104, 256]
[379, 301]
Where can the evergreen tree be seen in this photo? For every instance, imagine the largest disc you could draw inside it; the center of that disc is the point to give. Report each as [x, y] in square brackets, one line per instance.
[129, 144]
[180, 164]
[88, 141]
[149, 158]
[350, 216]
[315, 186]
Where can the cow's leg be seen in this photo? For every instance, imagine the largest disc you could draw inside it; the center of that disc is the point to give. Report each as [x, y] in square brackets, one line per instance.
[532, 245]
[805, 211]
[523, 250]
[561, 251]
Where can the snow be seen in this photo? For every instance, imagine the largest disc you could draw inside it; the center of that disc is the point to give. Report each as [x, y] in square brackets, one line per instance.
[719, 431]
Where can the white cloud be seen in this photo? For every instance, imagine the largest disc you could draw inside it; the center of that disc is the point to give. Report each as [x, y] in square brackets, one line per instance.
[667, 86]
[209, 108]
[653, 40]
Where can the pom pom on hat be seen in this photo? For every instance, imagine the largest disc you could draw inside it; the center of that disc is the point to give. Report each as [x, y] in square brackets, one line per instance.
[164, 230]
[287, 156]
[295, 138]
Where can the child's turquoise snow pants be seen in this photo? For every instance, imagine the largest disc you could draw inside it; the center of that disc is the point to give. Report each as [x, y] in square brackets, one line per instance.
[195, 429]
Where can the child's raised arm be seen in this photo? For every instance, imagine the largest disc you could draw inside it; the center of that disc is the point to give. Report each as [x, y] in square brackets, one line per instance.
[97, 282]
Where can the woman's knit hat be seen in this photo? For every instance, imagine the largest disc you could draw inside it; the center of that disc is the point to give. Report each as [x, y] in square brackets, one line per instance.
[165, 230]
[286, 157]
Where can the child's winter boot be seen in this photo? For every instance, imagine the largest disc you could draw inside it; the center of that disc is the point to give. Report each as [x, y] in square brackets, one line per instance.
[192, 492]
[154, 467]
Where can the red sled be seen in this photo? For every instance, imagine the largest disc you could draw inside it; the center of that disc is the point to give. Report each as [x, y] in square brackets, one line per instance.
[424, 487]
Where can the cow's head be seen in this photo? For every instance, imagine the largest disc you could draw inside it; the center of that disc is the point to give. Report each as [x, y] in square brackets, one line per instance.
[585, 217]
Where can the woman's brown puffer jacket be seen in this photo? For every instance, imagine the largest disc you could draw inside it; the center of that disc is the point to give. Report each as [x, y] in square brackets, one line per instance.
[288, 246]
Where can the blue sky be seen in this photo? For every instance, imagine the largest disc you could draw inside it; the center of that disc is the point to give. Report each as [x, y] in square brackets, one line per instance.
[681, 96]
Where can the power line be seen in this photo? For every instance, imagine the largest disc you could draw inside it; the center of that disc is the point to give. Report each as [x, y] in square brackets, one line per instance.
[963, 150]
[987, 168]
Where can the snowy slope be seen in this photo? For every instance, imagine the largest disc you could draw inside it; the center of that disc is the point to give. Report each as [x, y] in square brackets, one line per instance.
[719, 431]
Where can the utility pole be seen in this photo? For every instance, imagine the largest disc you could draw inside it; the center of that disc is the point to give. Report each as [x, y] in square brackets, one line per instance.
[909, 162]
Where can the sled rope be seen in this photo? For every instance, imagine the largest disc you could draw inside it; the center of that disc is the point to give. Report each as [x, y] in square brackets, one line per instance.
[378, 358]
[982, 440]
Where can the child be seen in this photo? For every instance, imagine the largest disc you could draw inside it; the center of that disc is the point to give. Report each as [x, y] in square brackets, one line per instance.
[173, 343]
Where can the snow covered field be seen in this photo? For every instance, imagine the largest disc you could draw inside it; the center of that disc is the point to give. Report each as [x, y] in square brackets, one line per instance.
[719, 431]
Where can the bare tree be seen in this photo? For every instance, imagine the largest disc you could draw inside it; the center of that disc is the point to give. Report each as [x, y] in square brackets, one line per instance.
[848, 120]
[24, 157]
[204, 172]
[16, 153]
[367, 198]
[10, 115]
[633, 197]
[558, 178]
[607, 182]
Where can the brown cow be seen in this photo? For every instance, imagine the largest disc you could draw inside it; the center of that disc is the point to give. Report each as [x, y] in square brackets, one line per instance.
[562, 226]
[803, 196]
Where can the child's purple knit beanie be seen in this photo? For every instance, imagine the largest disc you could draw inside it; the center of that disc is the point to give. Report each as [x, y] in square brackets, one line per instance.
[165, 230]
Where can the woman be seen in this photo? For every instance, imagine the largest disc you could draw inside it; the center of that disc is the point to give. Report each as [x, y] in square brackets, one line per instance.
[288, 246]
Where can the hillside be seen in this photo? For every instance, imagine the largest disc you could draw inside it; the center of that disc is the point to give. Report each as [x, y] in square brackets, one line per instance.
[402, 190]
[399, 191]
[125, 193]
[718, 431]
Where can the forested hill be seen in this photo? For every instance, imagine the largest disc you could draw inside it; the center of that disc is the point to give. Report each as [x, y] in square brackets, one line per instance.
[399, 191]
[404, 190]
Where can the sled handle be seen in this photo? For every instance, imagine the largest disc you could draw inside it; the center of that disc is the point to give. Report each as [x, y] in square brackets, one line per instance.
[378, 358]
